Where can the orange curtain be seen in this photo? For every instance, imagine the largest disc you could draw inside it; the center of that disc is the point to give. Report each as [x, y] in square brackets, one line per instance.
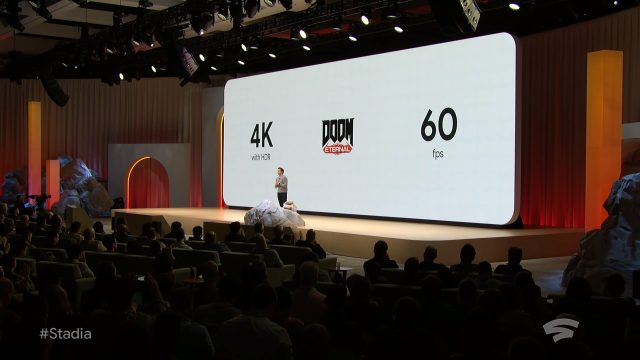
[149, 185]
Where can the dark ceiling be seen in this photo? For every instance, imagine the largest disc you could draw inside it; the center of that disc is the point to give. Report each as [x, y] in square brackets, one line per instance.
[105, 51]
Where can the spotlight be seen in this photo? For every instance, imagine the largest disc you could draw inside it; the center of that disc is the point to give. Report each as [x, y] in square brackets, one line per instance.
[365, 17]
[223, 10]
[121, 76]
[153, 68]
[398, 29]
[270, 3]
[287, 4]
[353, 38]
[306, 47]
[244, 47]
[514, 6]
[214, 68]
[201, 22]
[145, 4]
[202, 57]
[302, 34]
[251, 8]
[40, 8]
[241, 62]
[272, 55]
[336, 23]
[392, 10]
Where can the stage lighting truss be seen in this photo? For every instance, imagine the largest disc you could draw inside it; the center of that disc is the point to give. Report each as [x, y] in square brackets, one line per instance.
[202, 22]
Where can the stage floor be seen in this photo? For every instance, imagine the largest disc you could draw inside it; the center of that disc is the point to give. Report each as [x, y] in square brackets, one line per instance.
[355, 237]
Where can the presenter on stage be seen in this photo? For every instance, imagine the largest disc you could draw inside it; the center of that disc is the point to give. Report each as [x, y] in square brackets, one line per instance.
[282, 184]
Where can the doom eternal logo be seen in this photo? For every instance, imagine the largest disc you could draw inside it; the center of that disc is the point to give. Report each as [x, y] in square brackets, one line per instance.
[337, 136]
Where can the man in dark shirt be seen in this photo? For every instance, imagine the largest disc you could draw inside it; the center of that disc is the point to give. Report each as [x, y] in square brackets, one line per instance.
[512, 267]
[236, 234]
[381, 256]
[429, 264]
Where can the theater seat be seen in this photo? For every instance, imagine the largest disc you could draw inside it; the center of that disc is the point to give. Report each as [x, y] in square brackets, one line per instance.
[125, 264]
[39, 253]
[241, 247]
[194, 258]
[294, 254]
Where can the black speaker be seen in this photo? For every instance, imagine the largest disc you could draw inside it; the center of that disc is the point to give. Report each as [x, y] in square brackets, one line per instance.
[52, 87]
[456, 16]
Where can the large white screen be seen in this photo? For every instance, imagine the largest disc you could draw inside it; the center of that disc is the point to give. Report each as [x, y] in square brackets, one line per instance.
[391, 170]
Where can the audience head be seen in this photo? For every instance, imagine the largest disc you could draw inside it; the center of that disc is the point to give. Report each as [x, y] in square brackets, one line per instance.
[197, 232]
[412, 265]
[179, 234]
[19, 248]
[467, 292]
[110, 243]
[264, 299]
[514, 255]
[152, 235]
[53, 239]
[261, 243]
[484, 268]
[372, 270]
[163, 263]
[380, 249]
[467, 254]
[430, 254]
[614, 286]
[181, 301]
[258, 228]
[89, 234]
[359, 287]
[121, 221]
[98, 227]
[122, 230]
[75, 227]
[235, 227]
[308, 273]
[311, 236]
[175, 226]
[407, 312]
[209, 237]
[210, 272]
[432, 288]
[155, 248]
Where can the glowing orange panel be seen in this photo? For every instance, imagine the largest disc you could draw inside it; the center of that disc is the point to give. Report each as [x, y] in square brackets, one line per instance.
[604, 132]
[34, 129]
[221, 133]
[53, 181]
[126, 185]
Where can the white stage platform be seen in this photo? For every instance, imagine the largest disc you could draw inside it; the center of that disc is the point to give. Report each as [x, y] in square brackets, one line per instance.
[355, 237]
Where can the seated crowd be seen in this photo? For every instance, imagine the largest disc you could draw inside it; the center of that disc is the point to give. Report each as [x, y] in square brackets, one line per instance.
[424, 310]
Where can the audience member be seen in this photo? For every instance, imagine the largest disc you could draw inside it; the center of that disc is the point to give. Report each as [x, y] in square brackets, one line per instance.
[179, 236]
[75, 255]
[207, 292]
[271, 257]
[268, 340]
[20, 276]
[173, 231]
[512, 267]
[485, 278]
[236, 234]
[428, 263]
[466, 265]
[214, 314]
[311, 243]
[111, 244]
[278, 236]
[90, 243]
[211, 243]
[196, 233]
[381, 256]
[308, 302]
[258, 230]
[98, 227]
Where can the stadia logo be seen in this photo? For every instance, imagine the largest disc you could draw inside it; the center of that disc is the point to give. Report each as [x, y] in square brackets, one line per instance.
[337, 136]
[560, 328]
